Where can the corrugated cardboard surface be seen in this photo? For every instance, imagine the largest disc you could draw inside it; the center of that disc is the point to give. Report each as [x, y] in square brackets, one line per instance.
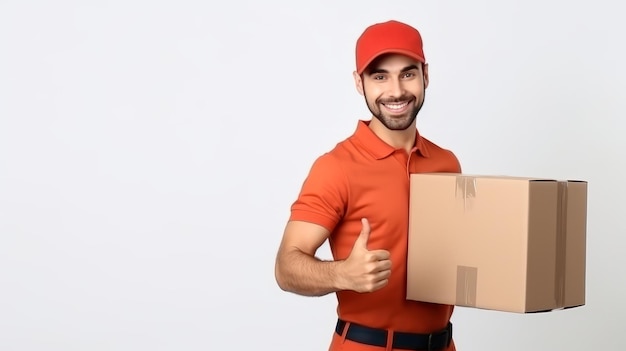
[502, 243]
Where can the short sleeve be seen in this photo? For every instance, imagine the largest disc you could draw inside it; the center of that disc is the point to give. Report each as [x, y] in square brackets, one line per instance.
[323, 197]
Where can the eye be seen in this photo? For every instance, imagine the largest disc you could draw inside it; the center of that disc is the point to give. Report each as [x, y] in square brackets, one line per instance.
[378, 77]
[408, 75]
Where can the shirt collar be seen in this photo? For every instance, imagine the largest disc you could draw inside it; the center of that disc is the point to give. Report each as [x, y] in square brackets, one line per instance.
[378, 148]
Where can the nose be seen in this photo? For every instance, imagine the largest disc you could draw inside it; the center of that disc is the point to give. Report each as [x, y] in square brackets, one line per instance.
[396, 89]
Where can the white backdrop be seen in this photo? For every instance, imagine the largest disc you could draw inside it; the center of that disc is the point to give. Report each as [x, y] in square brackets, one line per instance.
[150, 150]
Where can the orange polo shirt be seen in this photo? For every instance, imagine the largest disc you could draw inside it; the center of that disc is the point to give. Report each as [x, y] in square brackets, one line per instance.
[365, 177]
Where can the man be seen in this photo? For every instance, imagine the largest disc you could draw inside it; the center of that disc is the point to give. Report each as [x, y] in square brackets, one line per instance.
[357, 197]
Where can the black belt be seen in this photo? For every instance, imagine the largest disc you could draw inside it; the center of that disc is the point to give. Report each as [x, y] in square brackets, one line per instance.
[401, 340]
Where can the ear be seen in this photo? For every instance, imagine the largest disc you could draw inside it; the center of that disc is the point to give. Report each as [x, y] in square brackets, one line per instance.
[358, 82]
[425, 70]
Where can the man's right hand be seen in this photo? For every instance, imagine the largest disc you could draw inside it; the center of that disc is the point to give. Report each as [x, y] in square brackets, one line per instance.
[365, 270]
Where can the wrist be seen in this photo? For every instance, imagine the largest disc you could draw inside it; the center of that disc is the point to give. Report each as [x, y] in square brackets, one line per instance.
[338, 275]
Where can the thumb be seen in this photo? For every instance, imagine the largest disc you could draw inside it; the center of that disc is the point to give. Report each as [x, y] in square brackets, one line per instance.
[364, 236]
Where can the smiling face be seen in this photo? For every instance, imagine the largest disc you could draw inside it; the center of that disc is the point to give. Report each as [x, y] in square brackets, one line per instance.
[393, 86]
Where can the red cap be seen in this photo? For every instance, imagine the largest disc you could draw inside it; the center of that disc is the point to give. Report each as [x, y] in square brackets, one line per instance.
[388, 37]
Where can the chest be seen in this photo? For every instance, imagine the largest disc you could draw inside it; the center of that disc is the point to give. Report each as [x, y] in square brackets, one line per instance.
[378, 191]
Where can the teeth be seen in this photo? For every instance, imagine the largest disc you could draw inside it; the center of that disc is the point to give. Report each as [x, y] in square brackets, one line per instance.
[395, 106]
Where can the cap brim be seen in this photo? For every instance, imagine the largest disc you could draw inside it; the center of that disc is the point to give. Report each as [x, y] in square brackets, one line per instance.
[391, 51]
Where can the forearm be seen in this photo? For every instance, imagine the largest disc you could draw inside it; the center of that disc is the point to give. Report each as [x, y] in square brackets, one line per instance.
[306, 275]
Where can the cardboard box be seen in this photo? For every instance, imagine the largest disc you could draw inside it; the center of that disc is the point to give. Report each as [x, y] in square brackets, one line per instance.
[501, 243]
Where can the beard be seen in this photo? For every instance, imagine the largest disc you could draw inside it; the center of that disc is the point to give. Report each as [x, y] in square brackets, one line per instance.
[395, 122]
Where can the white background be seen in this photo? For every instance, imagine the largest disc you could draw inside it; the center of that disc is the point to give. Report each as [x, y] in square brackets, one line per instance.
[150, 150]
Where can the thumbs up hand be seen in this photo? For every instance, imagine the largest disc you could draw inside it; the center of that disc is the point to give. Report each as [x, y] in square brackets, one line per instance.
[365, 270]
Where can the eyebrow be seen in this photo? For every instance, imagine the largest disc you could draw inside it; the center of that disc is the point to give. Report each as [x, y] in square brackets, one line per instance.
[405, 69]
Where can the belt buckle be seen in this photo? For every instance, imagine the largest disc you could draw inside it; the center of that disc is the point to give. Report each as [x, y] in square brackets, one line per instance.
[445, 332]
[430, 342]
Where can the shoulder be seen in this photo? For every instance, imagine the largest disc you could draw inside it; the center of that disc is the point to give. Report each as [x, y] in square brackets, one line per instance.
[434, 147]
[328, 167]
[437, 151]
[333, 159]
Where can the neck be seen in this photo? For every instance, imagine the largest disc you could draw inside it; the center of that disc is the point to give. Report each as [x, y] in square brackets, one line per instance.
[398, 139]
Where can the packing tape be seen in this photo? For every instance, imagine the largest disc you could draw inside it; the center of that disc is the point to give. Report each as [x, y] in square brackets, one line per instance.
[465, 188]
[466, 282]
